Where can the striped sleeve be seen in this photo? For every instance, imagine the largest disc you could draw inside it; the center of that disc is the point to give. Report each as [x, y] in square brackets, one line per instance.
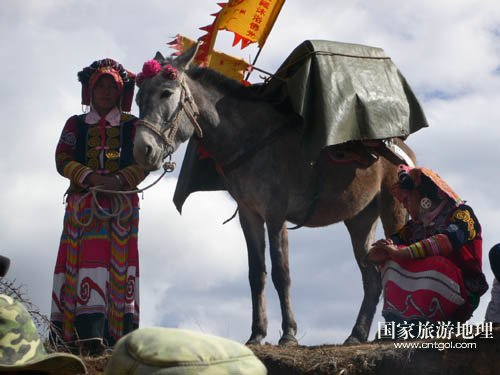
[66, 164]
[438, 244]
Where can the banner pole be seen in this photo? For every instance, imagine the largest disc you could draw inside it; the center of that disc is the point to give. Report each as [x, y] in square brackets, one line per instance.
[253, 63]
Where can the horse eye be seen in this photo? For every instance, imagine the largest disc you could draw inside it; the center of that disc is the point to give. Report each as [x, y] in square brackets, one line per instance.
[165, 94]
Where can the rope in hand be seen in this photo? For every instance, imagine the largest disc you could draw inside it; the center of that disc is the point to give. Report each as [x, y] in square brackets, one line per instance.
[119, 200]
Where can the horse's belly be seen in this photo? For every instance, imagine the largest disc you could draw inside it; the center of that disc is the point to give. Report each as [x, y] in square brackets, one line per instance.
[337, 202]
[329, 211]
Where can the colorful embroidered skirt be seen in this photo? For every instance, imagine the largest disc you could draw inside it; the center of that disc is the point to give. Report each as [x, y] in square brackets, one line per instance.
[96, 280]
[429, 289]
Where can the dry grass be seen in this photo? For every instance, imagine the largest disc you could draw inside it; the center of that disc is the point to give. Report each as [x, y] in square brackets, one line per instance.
[366, 359]
[96, 365]
[324, 359]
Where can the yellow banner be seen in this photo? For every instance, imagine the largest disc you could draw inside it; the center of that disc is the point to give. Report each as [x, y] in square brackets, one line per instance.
[228, 65]
[250, 20]
[225, 64]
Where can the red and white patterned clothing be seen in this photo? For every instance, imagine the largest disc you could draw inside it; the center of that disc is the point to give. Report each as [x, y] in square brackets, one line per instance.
[444, 279]
[96, 280]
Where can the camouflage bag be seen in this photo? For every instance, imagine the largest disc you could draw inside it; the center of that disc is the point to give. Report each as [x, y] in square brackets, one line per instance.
[22, 350]
[169, 351]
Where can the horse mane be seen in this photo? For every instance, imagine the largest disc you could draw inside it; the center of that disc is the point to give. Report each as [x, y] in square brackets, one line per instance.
[230, 86]
[235, 89]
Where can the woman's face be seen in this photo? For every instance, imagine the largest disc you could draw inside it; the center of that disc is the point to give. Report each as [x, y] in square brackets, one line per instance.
[411, 201]
[105, 95]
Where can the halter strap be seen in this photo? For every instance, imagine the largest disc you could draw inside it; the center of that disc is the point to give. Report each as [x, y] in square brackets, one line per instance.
[186, 103]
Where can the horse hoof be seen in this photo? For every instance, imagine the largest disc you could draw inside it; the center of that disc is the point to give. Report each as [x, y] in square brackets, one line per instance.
[352, 340]
[288, 340]
[254, 340]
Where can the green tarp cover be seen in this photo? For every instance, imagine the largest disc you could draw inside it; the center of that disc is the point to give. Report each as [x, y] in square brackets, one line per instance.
[344, 92]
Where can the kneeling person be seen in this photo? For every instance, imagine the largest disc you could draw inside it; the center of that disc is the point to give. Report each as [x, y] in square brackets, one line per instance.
[431, 269]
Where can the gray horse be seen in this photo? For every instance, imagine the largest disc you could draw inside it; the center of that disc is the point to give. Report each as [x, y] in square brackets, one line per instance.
[257, 149]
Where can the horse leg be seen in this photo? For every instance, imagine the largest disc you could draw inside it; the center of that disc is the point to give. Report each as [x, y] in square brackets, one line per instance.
[394, 215]
[362, 230]
[278, 245]
[253, 230]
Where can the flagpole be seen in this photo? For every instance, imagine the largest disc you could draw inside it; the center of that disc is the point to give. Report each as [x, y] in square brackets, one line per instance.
[253, 63]
[269, 27]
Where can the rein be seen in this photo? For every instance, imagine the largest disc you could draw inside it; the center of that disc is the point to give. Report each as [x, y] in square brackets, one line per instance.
[186, 104]
[119, 200]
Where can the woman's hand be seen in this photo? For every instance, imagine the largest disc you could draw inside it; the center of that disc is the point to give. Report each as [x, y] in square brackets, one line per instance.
[95, 179]
[396, 253]
[112, 183]
[103, 182]
[378, 254]
[383, 242]
[384, 249]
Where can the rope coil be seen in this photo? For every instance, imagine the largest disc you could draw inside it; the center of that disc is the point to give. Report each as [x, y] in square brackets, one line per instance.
[119, 201]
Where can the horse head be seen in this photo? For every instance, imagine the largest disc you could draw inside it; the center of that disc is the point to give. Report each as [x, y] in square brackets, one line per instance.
[167, 111]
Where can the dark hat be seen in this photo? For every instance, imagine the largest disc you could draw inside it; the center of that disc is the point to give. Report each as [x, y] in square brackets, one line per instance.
[21, 348]
[4, 265]
[125, 80]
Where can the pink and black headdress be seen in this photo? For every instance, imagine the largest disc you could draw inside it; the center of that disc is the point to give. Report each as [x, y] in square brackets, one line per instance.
[152, 67]
[125, 80]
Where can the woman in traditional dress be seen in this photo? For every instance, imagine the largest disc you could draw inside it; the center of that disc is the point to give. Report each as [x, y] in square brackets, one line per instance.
[431, 269]
[95, 297]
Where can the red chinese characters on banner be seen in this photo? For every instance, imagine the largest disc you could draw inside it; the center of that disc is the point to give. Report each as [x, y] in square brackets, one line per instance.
[250, 20]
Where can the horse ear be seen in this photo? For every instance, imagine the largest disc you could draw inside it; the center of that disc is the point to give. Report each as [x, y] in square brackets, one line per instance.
[187, 57]
[159, 57]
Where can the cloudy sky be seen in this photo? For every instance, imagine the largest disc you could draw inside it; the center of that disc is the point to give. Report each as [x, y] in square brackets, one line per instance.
[194, 269]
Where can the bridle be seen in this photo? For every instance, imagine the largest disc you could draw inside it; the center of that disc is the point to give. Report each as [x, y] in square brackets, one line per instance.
[186, 103]
[168, 131]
